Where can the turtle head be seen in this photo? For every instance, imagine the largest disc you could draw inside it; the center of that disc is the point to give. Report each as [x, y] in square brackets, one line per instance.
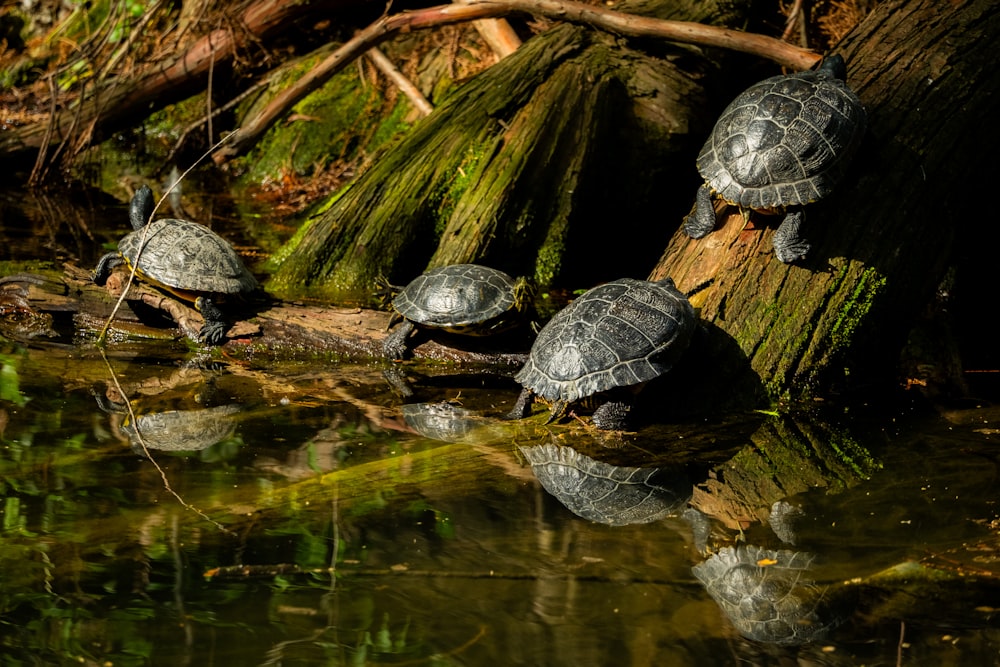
[140, 210]
[524, 294]
[834, 66]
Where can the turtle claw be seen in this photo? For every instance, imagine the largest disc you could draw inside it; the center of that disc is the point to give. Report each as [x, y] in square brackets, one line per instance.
[789, 246]
[701, 221]
[213, 332]
[394, 346]
[522, 406]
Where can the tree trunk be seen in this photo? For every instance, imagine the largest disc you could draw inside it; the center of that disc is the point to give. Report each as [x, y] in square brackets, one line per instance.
[883, 242]
[521, 169]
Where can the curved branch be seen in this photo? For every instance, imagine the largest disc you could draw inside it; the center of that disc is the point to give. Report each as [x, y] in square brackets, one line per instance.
[565, 10]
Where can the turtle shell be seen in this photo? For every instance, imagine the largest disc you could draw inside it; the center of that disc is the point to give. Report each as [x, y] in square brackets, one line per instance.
[618, 334]
[186, 256]
[784, 141]
[767, 594]
[460, 298]
[602, 492]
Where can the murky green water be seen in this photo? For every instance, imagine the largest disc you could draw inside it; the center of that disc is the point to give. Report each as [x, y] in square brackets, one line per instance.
[289, 514]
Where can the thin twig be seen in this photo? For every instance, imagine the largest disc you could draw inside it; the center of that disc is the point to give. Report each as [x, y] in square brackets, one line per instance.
[899, 646]
[386, 66]
[149, 455]
[198, 123]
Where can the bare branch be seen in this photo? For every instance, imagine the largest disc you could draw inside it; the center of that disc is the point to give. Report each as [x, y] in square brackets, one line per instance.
[567, 10]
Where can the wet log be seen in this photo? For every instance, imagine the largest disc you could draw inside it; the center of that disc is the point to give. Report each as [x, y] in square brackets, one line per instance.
[885, 241]
[65, 307]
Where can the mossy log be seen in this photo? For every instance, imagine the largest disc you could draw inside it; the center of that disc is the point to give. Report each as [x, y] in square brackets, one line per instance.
[522, 168]
[885, 240]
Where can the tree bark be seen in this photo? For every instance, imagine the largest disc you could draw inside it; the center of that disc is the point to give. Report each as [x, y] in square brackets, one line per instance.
[521, 168]
[883, 242]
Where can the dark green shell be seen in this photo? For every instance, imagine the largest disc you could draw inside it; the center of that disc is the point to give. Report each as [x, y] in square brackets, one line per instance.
[184, 255]
[622, 333]
[786, 140]
[462, 298]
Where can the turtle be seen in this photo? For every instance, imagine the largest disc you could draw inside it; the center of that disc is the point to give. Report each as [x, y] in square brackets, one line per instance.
[782, 143]
[466, 299]
[184, 258]
[606, 493]
[768, 594]
[614, 337]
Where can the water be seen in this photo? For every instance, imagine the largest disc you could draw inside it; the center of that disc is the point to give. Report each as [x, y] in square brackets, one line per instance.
[302, 520]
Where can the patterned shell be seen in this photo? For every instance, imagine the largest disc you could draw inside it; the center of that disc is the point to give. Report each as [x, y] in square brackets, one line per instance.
[459, 297]
[768, 594]
[605, 493]
[618, 334]
[185, 255]
[784, 141]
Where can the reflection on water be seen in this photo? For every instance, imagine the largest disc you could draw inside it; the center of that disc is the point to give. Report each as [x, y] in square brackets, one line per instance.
[337, 531]
[768, 595]
[325, 523]
[605, 493]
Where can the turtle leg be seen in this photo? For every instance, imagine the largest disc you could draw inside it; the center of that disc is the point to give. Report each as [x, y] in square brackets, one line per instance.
[213, 332]
[702, 220]
[789, 246]
[522, 406]
[104, 266]
[394, 346]
[558, 408]
[612, 415]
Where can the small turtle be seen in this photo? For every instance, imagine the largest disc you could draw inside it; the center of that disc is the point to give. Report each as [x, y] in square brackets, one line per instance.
[461, 298]
[782, 143]
[184, 258]
[618, 335]
[605, 493]
[768, 595]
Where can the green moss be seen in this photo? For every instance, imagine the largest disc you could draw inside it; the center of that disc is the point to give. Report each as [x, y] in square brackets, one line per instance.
[453, 189]
[549, 260]
[343, 119]
[852, 313]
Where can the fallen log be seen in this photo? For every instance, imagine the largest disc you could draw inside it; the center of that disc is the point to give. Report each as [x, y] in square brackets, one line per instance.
[67, 307]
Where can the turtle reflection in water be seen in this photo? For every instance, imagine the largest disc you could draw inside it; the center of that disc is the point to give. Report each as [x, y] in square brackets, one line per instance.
[440, 421]
[767, 594]
[605, 493]
[182, 430]
[174, 430]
